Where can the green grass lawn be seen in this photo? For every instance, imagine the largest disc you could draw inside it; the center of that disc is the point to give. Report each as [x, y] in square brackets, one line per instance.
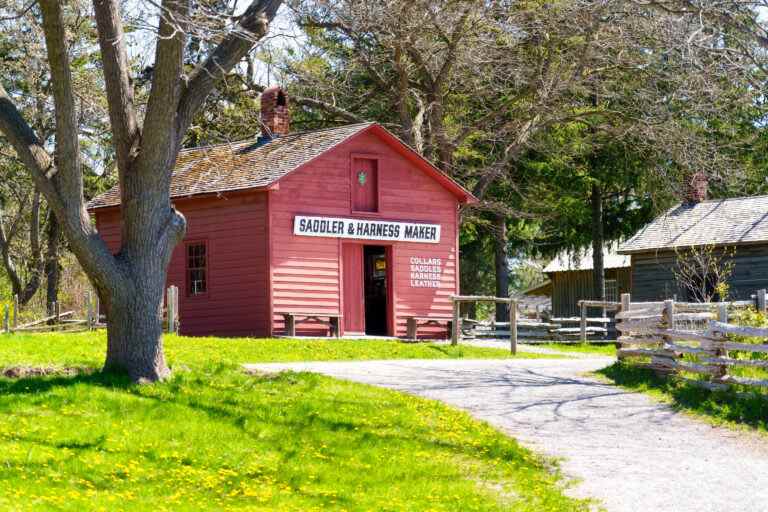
[88, 349]
[749, 409]
[214, 438]
[603, 349]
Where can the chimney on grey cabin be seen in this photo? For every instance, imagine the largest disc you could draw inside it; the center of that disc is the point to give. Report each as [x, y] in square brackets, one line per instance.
[274, 111]
[696, 188]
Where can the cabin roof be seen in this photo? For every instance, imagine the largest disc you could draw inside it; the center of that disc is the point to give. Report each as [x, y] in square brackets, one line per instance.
[540, 290]
[568, 261]
[259, 164]
[740, 220]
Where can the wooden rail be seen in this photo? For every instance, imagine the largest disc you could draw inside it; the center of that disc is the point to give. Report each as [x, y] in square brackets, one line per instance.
[457, 320]
[584, 329]
[66, 321]
[651, 338]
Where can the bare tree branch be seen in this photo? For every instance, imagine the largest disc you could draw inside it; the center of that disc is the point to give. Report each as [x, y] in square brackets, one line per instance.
[119, 90]
[67, 145]
[253, 25]
[329, 108]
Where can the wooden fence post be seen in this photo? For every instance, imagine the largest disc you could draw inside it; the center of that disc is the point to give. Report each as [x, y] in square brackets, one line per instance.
[721, 370]
[456, 323]
[662, 362]
[626, 304]
[761, 304]
[172, 309]
[583, 323]
[15, 311]
[176, 310]
[6, 319]
[89, 310]
[96, 309]
[669, 313]
[169, 310]
[513, 326]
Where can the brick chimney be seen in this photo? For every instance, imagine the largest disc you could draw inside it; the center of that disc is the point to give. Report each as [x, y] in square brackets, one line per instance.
[696, 189]
[274, 111]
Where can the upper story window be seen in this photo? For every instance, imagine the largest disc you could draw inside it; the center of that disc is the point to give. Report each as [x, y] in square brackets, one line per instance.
[197, 268]
[365, 185]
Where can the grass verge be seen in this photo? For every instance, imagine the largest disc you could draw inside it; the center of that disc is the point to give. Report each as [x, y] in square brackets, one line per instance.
[602, 349]
[88, 349]
[217, 439]
[732, 408]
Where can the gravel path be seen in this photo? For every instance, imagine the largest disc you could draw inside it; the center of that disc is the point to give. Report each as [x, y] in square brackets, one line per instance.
[623, 448]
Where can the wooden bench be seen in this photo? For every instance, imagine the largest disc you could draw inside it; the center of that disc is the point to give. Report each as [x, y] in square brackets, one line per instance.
[414, 322]
[291, 318]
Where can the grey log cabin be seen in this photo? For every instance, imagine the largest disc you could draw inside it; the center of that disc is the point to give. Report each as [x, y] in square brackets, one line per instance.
[737, 226]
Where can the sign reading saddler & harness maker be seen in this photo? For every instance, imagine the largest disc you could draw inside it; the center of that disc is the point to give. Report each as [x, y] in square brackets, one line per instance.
[337, 227]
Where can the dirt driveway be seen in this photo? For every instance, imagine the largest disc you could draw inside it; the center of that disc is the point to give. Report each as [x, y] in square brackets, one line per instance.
[623, 448]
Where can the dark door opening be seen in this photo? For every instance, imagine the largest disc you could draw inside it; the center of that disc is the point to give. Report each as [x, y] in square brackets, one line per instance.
[375, 277]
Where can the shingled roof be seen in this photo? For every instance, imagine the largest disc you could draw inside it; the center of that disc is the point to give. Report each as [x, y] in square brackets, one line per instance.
[567, 261]
[741, 220]
[242, 165]
[258, 163]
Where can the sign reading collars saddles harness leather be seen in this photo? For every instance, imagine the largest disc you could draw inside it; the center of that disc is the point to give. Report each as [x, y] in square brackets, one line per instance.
[337, 227]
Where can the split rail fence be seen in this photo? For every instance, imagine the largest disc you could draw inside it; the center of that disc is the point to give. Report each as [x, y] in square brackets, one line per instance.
[698, 342]
[594, 330]
[457, 331]
[67, 321]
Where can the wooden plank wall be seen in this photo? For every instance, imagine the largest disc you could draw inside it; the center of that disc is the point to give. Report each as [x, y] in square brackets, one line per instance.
[568, 288]
[653, 276]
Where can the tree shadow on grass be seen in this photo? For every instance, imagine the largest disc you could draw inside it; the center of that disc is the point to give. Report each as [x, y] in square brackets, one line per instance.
[44, 383]
[440, 348]
[750, 408]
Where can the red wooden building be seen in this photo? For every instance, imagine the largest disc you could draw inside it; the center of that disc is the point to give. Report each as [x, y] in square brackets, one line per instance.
[344, 221]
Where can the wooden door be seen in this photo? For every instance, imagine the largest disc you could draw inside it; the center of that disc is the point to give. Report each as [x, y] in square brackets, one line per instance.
[365, 185]
[354, 308]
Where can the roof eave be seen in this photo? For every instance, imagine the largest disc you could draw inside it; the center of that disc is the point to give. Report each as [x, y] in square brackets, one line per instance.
[687, 246]
[265, 188]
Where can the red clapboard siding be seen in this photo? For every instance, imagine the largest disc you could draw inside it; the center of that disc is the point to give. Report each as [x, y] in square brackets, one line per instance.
[310, 266]
[235, 229]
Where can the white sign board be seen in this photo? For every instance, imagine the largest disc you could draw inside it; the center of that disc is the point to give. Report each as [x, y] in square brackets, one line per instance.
[337, 227]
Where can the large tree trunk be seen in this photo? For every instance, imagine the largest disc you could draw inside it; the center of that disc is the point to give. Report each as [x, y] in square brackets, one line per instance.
[136, 314]
[502, 267]
[598, 266]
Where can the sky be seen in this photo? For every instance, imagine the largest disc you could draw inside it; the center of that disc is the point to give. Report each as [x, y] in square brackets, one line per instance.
[283, 34]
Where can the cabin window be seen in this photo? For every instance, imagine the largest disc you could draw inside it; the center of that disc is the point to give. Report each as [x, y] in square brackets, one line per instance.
[611, 290]
[365, 185]
[197, 268]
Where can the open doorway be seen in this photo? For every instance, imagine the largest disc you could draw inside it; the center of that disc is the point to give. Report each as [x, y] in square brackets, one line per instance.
[375, 282]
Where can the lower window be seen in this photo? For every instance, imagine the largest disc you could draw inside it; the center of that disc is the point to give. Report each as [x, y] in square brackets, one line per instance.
[197, 268]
